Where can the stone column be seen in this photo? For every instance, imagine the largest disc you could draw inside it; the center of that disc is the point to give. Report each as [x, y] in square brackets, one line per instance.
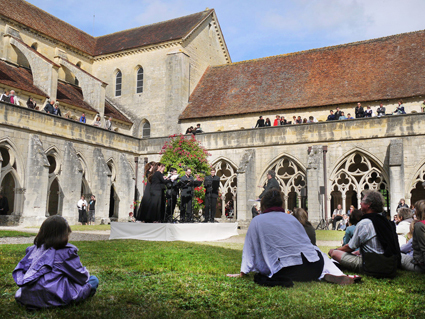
[101, 185]
[36, 184]
[314, 181]
[125, 183]
[246, 185]
[70, 179]
[397, 190]
[177, 89]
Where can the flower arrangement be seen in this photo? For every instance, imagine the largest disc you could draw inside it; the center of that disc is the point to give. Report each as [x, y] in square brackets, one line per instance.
[182, 152]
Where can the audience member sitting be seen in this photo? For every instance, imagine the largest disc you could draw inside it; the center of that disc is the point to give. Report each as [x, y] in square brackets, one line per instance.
[403, 226]
[344, 223]
[49, 108]
[255, 211]
[417, 261]
[350, 210]
[376, 237]
[279, 265]
[342, 117]
[268, 123]
[337, 215]
[402, 204]
[131, 218]
[5, 97]
[400, 108]
[380, 110]
[331, 116]
[354, 217]
[276, 121]
[31, 104]
[301, 215]
[82, 118]
[260, 122]
[56, 110]
[407, 248]
[96, 121]
[349, 117]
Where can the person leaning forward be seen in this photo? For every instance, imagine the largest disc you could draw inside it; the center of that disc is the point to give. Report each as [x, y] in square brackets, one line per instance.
[272, 183]
[377, 239]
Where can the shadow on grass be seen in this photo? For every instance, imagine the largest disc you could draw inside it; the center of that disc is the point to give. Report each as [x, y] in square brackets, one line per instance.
[140, 279]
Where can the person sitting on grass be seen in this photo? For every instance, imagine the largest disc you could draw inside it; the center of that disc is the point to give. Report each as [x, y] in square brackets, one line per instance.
[404, 219]
[407, 248]
[51, 273]
[376, 237]
[417, 261]
[278, 264]
[301, 215]
[354, 217]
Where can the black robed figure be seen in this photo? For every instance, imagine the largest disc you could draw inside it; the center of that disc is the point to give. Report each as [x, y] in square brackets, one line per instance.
[186, 197]
[211, 183]
[156, 211]
[171, 194]
[144, 205]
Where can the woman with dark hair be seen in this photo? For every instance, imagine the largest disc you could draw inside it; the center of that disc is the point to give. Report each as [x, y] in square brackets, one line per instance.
[144, 205]
[302, 217]
[31, 104]
[51, 273]
[268, 123]
[156, 210]
[353, 219]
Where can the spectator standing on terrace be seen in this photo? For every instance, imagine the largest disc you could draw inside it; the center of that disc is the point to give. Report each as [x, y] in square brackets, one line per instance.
[401, 204]
[342, 116]
[380, 110]
[299, 120]
[376, 237]
[400, 108]
[368, 112]
[14, 98]
[83, 118]
[96, 121]
[198, 129]
[268, 123]
[189, 130]
[349, 117]
[283, 121]
[276, 121]
[31, 104]
[312, 119]
[108, 124]
[359, 111]
[260, 122]
[337, 113]
[331, 116]
[294, 120]
[56, 110]
[49, 109]
[5, 97]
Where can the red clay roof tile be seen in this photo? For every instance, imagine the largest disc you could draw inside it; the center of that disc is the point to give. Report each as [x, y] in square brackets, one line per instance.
[18, 78]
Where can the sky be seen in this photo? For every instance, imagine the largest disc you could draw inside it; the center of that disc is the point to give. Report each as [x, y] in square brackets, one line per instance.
[254, 29]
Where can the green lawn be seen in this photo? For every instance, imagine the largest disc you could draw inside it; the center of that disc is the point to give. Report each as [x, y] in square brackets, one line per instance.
[329, 235]
[141, 279]
[90, 227]
[13, 233]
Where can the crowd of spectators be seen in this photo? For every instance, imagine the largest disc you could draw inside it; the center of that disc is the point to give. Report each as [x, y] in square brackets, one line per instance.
[194, 131]
[359, 112]
[52, 107]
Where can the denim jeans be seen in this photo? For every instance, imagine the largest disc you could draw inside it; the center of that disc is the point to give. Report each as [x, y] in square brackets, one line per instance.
[94, 283]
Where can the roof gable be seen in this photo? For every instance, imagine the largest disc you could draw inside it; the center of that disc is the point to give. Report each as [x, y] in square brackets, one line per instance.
[385, 68]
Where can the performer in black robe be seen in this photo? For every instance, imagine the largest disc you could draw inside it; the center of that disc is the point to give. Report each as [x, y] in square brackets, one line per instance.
[272, 183]
[186, 215]
[171, 194]
[211, 184]
[144, 205]
[156, 211]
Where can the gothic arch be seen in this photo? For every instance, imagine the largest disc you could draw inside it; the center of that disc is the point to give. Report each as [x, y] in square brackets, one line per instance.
[354, 172]
[55, 195]
[291, 176]
[113, 168]
[228, 189]
[15, 161]
[416, 189]
[85, 183]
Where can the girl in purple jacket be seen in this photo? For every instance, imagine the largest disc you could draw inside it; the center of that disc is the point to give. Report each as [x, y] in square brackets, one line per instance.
[51, 273]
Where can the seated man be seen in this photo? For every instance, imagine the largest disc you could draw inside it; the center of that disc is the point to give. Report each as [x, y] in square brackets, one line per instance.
[376, 237]
[337, 215]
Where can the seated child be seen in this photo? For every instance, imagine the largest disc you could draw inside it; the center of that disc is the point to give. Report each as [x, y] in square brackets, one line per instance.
[51, 273]
[131, 218]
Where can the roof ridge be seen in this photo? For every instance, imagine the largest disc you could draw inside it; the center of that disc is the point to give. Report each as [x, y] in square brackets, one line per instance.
[332, 47]
[147, 25]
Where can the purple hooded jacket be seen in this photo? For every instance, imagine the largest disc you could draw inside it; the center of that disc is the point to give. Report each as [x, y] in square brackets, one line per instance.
[50, 278]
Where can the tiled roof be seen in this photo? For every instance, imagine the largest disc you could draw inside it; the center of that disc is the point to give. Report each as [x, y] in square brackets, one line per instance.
[72, 95]
[384, 68]
[111, 111]
[18, 78]
[35, 18]
[149, 34]
[38, 19]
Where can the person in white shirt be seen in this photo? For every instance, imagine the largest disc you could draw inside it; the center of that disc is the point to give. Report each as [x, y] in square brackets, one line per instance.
[82, 210]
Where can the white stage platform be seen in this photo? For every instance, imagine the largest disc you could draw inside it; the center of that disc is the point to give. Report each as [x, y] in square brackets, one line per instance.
[173, 232]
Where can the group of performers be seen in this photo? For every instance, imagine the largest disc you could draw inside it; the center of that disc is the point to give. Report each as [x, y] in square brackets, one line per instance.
[161, 195]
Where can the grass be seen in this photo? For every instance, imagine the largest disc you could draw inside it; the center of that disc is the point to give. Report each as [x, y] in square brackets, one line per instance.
[141, 279]
[90, 227]
[329, 235]
[12, 233]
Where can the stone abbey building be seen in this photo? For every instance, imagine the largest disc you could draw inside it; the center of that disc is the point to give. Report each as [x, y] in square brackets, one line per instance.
[156, 80]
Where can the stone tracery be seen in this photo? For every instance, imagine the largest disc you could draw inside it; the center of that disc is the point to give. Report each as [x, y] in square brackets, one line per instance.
[228, 184]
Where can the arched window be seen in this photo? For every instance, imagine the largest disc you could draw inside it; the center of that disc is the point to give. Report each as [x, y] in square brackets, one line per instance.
[139, 84]
[146, 130]
[118, 83]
